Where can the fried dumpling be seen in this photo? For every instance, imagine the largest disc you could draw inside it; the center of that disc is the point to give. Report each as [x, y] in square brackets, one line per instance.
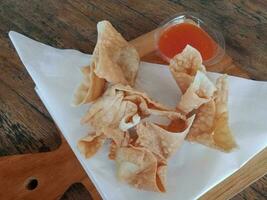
[91, 87]
[143, 163]
[203, 98]
[162, 141]
[139, 167]
[199, 92]
[211, 126]
[223, 137]
[184, 67]
[91, 144]
[114, 61]
[118, 138]
[146, 105]
[109, 110]
[123, 107]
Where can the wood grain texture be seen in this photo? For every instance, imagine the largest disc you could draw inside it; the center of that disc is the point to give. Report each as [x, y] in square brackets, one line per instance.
[250, 172]
[26, 126]
[48, 175]
[243, 24]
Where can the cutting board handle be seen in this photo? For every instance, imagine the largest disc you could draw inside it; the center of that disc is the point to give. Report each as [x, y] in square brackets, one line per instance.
[42, 175]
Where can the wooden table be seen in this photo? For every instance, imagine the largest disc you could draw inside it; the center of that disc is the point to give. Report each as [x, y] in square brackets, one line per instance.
[25, 124]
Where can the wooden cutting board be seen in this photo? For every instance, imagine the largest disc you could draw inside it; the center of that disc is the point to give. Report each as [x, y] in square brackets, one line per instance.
[48, 175]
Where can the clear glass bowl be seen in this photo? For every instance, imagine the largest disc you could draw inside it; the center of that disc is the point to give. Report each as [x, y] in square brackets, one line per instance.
[189, 17]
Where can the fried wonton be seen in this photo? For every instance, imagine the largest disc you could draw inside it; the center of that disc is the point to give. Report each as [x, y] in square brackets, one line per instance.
[139, 167]
[123, 107]
[162, 141]
[140, 148]
[185, 65]
[109, 110]
[211, 126]
[199, 92]
[211, 123]
[147, 106]
[203, 98]
[118, 138]
[92, 143]
[143, 163]
[91, 87]
[114, 60]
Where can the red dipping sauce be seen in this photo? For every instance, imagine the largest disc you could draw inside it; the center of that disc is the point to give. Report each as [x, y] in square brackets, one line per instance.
[174, 39]
[187, 29]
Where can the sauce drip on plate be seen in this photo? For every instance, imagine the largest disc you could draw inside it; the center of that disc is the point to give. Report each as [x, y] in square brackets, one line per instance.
[174, 39]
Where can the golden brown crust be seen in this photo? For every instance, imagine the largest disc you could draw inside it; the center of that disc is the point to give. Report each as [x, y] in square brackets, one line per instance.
[211, 125]
[114, 61]
[90, 89]
[184, 67]
[90, 144]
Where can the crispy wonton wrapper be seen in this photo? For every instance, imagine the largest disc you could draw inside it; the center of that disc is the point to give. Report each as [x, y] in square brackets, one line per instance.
[109, 110]
[162, 141]
[202, 97]
[211, 123]
[143, 164]
[139, 167]
[92, 143]
[185, 65]
[141, 155]
[91, 87]
[114, 60]
[199, 92]
[123, 107]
